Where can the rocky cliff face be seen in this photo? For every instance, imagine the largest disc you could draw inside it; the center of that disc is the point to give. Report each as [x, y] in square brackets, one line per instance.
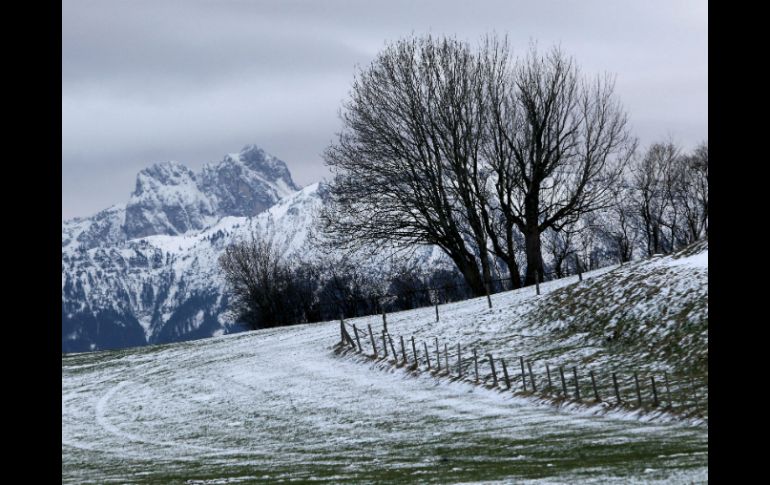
[246, 183]
[167, 200]
[170, 199]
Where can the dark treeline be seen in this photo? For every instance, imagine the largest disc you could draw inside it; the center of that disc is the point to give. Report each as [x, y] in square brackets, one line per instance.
[267, 290]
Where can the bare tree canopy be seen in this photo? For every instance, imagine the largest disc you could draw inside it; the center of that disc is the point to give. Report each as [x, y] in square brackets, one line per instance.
[670, 196]
[560, 142]
[443, 145]
[409, 152]
[256, 276]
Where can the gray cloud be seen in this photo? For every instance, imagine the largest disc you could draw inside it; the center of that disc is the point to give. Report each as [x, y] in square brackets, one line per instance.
[144, 81]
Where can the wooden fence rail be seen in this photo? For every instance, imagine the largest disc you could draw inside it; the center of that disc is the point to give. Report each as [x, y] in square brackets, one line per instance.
[687, 401]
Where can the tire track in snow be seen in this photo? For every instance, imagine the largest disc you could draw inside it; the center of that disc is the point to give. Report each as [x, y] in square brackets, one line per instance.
[102, 420]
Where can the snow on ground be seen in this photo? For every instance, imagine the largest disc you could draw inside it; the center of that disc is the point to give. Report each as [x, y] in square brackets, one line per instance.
[649, 317]
[278, 405]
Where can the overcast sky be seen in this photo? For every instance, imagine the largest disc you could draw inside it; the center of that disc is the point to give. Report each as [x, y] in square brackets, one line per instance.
[192, 80]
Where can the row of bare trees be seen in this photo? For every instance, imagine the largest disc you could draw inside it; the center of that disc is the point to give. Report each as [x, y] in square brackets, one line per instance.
[659, 205]
[474, 151]
[268, 289]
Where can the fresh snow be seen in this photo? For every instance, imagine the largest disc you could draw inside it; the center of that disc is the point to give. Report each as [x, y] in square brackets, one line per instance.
[279, 405]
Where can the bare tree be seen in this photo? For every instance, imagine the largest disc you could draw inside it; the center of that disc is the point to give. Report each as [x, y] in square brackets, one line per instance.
[618, 225]
[470, 152]
[500, 194]
[406, 164]
[652, 182]
[694, 192]
[561, 143]
[559, 247]
[264, 289]
[255, 276]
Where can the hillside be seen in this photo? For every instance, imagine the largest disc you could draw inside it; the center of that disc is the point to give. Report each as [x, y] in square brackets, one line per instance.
[648, 317]
[280, 405]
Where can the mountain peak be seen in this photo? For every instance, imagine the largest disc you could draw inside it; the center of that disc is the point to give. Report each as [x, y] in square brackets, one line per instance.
[246, 183]
[168, 172]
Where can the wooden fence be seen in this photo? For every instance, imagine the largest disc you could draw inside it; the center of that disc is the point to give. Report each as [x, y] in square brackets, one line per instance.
[679, 394]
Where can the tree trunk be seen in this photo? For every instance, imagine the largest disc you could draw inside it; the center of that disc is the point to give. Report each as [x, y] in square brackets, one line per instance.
[534, 255]
[470, 272]
[485, 271]
[513, 270]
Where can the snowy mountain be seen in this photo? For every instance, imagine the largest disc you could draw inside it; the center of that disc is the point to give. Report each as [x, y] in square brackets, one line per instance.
[146, 272]
[246, 183]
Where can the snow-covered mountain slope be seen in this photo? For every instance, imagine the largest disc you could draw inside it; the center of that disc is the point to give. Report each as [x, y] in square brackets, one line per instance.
[277, 405]
[102, 229]
[163, 288]
[145, 271]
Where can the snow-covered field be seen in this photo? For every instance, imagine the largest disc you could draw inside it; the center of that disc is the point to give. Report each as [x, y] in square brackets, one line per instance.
[279, 405]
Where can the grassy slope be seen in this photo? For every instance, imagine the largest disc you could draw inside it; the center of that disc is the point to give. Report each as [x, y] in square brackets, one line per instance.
[648, 317]
[275, 405]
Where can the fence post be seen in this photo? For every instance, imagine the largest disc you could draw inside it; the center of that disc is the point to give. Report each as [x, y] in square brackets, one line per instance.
[403, 348]
[548, 373]
[438, 358]
[427, 355]
[384, 319]
[563, 382]
[459, 366]
[446, 358]
[617, 390]
[654, 392]
[668, 392]
[593, 383]
[346, 338]
[436, 311]
[577, 385]
[505, 374]
[489, 299]
[414, 351]
[523, 375]
[384, 345]
[393, 348]
[355, 331]
[476, 364]
[638, 391]
[531, 377]
[342, 332]
[494, 373]
[371, 337]
[577, 266]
